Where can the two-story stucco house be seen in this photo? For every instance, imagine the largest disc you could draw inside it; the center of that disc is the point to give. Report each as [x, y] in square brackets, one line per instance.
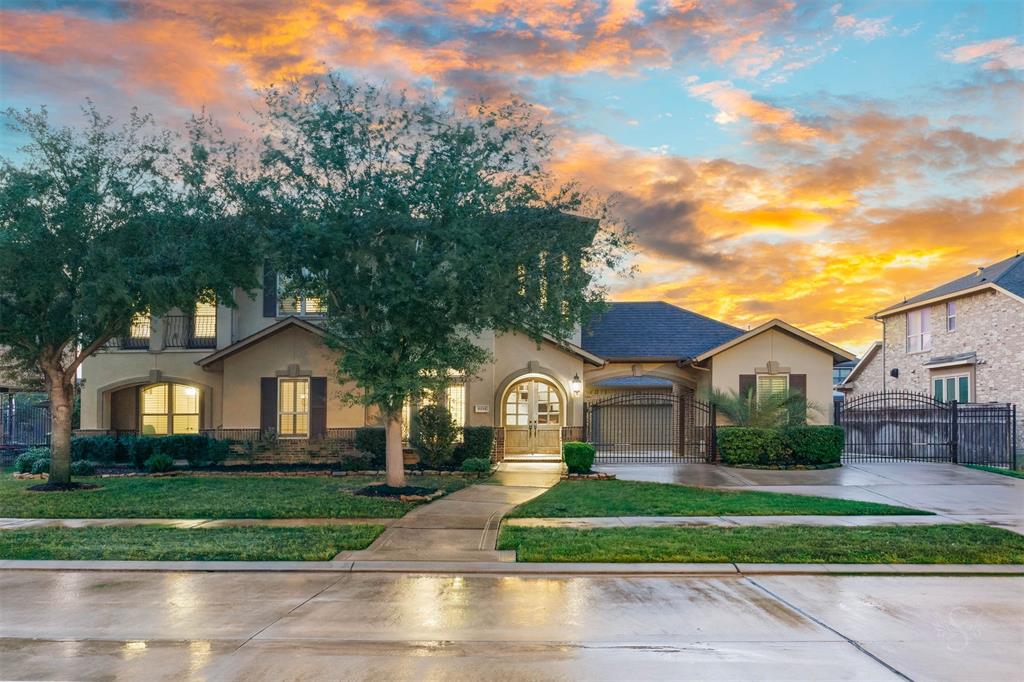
[261, 366]
[963, 341]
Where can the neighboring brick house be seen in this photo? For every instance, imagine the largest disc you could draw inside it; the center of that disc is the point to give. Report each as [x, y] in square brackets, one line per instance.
[963, 340]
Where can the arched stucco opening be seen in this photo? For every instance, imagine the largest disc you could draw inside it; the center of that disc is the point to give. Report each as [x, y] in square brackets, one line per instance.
[119, 408]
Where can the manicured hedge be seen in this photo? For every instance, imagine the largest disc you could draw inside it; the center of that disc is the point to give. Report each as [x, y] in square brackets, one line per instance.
[94, 449]
[477, 443]
[789, 446]
[371, 440]
[579, 457]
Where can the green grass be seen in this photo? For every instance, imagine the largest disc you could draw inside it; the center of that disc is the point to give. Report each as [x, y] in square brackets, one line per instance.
[157, 543]
[634, 498]
[944, 544]
[1016, 473]
[213, 497]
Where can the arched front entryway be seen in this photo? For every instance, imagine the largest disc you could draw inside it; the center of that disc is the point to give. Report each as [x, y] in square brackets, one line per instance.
[533, 412]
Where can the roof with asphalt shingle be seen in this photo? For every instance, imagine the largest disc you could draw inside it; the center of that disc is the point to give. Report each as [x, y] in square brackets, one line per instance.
[1008, 274]
[632, 382]
[653, 329]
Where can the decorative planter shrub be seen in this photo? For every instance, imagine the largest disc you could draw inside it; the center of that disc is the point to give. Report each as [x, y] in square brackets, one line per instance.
[372, 441]
[477, 443]
[434, 439]
[477, 464]
[579, 457]
[26, 460]
[781, 447]
[159, 463]
[41, 465]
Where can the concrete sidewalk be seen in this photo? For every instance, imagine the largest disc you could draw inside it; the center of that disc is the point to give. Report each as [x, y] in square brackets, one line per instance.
[463, 526]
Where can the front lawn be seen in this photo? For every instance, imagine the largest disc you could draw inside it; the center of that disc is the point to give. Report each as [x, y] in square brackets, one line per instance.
[1016, 473]
[945, 544]
[160, 543]
[212, 497]
[635, 498]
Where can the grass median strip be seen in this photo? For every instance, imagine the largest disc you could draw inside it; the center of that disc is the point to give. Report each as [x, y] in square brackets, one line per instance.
[635, 498]
[1015, 473]
[945, 544]
[212, 497]
[158, 543]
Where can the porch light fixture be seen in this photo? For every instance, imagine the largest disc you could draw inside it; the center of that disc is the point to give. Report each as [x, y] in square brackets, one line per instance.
[576, 384]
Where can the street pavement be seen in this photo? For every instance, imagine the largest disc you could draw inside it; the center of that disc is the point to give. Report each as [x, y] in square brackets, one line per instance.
[375, 626]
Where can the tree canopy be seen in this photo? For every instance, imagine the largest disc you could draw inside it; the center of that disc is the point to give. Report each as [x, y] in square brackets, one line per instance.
[101, 223]
[419, 226]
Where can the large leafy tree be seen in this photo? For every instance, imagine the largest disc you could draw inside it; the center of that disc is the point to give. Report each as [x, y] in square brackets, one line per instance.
[420, 226]
[101, 223]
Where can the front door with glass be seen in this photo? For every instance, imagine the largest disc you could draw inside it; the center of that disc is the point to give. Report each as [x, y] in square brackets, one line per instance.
[533, 418]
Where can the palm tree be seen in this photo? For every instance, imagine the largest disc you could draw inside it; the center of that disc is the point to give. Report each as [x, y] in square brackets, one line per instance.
[784, 408]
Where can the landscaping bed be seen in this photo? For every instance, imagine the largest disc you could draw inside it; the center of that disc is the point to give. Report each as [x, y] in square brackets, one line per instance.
[635, 498]
[942, 544]
[161, 543]
[213, 497]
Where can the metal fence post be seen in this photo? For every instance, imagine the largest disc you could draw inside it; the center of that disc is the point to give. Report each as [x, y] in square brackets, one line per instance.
[713, 415]
[1013, 438]
[954, 441]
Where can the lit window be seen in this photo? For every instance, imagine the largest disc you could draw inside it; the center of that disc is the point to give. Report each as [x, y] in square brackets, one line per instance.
[140, 328]
[455, 401]
[951, 316]
[919, 331]
[169, 408]
[771, 384]
[293, 407]
[204, 321]
[297, 305]
[950, 388]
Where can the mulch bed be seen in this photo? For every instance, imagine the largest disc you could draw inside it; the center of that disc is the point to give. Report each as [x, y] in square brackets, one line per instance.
[61, 487]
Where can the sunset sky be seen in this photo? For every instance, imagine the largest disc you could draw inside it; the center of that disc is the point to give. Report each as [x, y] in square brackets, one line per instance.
[809, 161]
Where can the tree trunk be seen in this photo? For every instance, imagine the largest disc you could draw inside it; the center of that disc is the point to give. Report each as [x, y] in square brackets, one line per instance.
[394, 459]
[61, 399]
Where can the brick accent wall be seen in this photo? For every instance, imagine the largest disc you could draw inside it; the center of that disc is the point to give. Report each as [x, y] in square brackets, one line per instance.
[989, 323]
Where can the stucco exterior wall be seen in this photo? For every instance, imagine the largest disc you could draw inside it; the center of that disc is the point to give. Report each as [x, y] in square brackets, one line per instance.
[790, 352]
[687, 376]
[275, 356]
[108, 371]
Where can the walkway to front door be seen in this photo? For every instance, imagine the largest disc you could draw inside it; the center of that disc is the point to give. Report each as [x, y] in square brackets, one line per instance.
[462, 526]
[532, 416]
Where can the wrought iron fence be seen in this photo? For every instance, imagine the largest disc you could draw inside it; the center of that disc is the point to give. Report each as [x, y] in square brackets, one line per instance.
[650, 427]
[189, 331]
[22, 426]
[913, 427]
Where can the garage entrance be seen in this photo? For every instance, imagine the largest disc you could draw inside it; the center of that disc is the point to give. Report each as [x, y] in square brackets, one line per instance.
[650, 427]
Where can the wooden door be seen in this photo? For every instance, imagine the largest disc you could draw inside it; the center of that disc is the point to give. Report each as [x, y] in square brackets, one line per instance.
[533, 418]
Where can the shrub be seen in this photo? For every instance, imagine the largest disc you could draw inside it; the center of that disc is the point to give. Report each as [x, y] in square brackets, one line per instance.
[123, 448]
[792, 445]
[41, 465]
[477, 464]
[26, 460]
[142, 448]
[814, 444]
[477, 443]
[94, 448]
[83, 467]
[218, 450]
[188, 446]
[435, 435]
[159, 462]
[747, 445]
[371, 440]
[579, 457]
[361, 462]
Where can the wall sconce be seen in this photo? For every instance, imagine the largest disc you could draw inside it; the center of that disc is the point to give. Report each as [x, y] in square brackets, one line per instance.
[576, 384]
[894, 373]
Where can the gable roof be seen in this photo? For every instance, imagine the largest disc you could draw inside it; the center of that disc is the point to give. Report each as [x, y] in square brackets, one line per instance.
[838, 354]
[864, 361]
[653, 330]
[632, 382]
[1006, 275]
[265, 333]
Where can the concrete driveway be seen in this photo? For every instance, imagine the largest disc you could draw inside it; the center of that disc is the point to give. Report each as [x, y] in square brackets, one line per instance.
[260, 626]
[955, 492]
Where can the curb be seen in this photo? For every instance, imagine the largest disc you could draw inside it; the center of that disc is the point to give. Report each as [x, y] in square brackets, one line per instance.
[527, 569]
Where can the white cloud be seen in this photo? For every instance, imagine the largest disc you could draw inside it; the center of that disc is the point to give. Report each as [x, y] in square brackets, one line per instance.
[998, 53]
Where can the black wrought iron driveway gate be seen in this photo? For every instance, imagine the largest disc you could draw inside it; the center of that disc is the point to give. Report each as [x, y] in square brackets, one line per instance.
[912, 427]
[650, 427]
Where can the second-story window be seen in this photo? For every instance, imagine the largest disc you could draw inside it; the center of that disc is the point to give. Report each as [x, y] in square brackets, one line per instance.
[919, 331]
[204, 322]
[951, 316]
[297, 305]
